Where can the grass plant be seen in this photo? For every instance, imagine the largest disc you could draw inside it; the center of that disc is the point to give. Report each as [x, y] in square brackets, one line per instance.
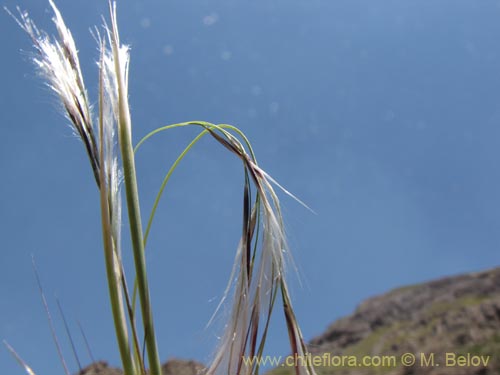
[258, 278]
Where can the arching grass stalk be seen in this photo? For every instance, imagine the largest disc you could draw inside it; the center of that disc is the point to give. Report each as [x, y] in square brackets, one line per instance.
[256, 284]
[174, 166]
[181, 156]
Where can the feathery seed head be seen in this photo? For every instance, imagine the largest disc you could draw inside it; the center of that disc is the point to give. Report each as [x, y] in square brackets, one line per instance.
[57, 61]
[108, 118]
[257, 278]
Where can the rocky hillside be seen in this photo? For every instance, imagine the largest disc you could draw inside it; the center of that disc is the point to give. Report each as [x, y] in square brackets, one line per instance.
[449, 326]
[171, 367]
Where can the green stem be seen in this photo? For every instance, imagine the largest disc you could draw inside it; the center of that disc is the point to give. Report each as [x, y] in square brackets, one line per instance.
[134, 212]
[113, 269]
[113, 276]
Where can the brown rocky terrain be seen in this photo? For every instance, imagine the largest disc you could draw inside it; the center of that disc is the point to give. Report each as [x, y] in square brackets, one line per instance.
[449, 326]
[436, 322]
[100, 368]
[171, 367]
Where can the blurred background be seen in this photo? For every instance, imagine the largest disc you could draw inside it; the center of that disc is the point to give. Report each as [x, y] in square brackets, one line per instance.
[383, 116]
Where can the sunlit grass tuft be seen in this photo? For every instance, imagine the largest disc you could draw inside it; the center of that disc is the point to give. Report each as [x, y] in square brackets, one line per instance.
[258, 279]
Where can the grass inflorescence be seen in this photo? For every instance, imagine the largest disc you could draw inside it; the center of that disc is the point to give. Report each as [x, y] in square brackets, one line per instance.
[258, 279]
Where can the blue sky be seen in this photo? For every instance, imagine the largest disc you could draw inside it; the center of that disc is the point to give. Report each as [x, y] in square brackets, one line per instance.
[383, 116]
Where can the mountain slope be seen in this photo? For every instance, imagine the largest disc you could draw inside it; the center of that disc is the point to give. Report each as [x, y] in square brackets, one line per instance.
[436, 322]
[171, 367]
